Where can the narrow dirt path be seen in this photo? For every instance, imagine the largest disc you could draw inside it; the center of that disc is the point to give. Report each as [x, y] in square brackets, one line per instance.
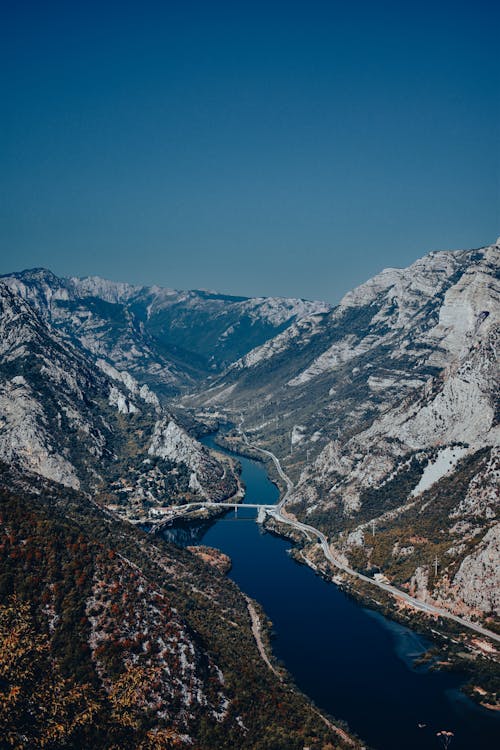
[256, 631]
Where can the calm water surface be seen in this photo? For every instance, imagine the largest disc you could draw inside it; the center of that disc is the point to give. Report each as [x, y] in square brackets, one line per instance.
[352, 662]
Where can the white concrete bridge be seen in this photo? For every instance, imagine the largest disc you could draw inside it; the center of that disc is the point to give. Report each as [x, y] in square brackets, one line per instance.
[177, 512]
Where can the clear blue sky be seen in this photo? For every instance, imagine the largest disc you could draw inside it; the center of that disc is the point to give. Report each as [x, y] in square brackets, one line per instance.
[275, 148]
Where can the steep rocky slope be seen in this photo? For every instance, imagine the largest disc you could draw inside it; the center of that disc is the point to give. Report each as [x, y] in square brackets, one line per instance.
[92, 427]
[379, 407]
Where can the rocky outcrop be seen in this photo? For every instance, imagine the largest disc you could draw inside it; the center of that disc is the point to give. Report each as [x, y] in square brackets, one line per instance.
[477, 581]
[91, 427]
[142, 392]
[48, 422]
[24, 439]
[482, 499]
[208, 477]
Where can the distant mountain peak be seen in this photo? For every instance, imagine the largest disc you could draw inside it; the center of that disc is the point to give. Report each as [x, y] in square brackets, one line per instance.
[161, 336]
[110, 291]
[34, 274]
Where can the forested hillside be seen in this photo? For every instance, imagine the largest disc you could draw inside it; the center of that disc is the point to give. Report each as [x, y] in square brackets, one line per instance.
[112, 639]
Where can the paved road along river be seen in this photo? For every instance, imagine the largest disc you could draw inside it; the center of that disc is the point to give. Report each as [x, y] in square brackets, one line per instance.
[353, 663]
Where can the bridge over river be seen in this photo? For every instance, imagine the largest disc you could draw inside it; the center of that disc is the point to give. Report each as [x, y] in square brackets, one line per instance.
[177, 512]
[329, 553]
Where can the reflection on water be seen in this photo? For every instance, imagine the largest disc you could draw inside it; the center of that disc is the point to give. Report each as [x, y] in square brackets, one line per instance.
[186, 534]
[407, 644]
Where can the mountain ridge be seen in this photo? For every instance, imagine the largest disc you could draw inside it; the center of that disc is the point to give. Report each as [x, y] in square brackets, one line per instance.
[384, 410]
[400, 380]
[164, 337]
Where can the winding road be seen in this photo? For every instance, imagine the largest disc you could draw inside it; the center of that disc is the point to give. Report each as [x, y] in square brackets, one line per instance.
[276, 512]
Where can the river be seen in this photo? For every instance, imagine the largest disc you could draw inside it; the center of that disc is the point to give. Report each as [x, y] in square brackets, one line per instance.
[352, 662]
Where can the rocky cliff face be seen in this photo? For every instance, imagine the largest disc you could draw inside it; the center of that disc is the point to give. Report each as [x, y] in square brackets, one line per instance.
[47, 393]
[85, 424]
[377, 406]
[207, 477]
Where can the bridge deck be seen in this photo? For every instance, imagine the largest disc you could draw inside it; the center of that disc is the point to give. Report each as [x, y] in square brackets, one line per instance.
[220, 505]
[159, 523]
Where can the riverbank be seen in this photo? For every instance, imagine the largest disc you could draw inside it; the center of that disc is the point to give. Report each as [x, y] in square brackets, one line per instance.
[452, 649]
[334, 648]
[475, 655]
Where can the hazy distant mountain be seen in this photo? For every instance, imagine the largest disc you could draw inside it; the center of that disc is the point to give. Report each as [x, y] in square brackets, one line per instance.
[162, 336]
[386, 410]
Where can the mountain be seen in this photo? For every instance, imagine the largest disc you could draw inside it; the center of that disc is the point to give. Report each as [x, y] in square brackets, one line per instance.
[93, 427]
[163, 337]
[110, 637]
[385, 410]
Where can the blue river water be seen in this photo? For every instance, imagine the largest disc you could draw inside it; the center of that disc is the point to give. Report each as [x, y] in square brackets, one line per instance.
[353, 663]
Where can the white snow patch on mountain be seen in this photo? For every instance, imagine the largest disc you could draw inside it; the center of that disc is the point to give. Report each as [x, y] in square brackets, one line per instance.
[298, 434]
